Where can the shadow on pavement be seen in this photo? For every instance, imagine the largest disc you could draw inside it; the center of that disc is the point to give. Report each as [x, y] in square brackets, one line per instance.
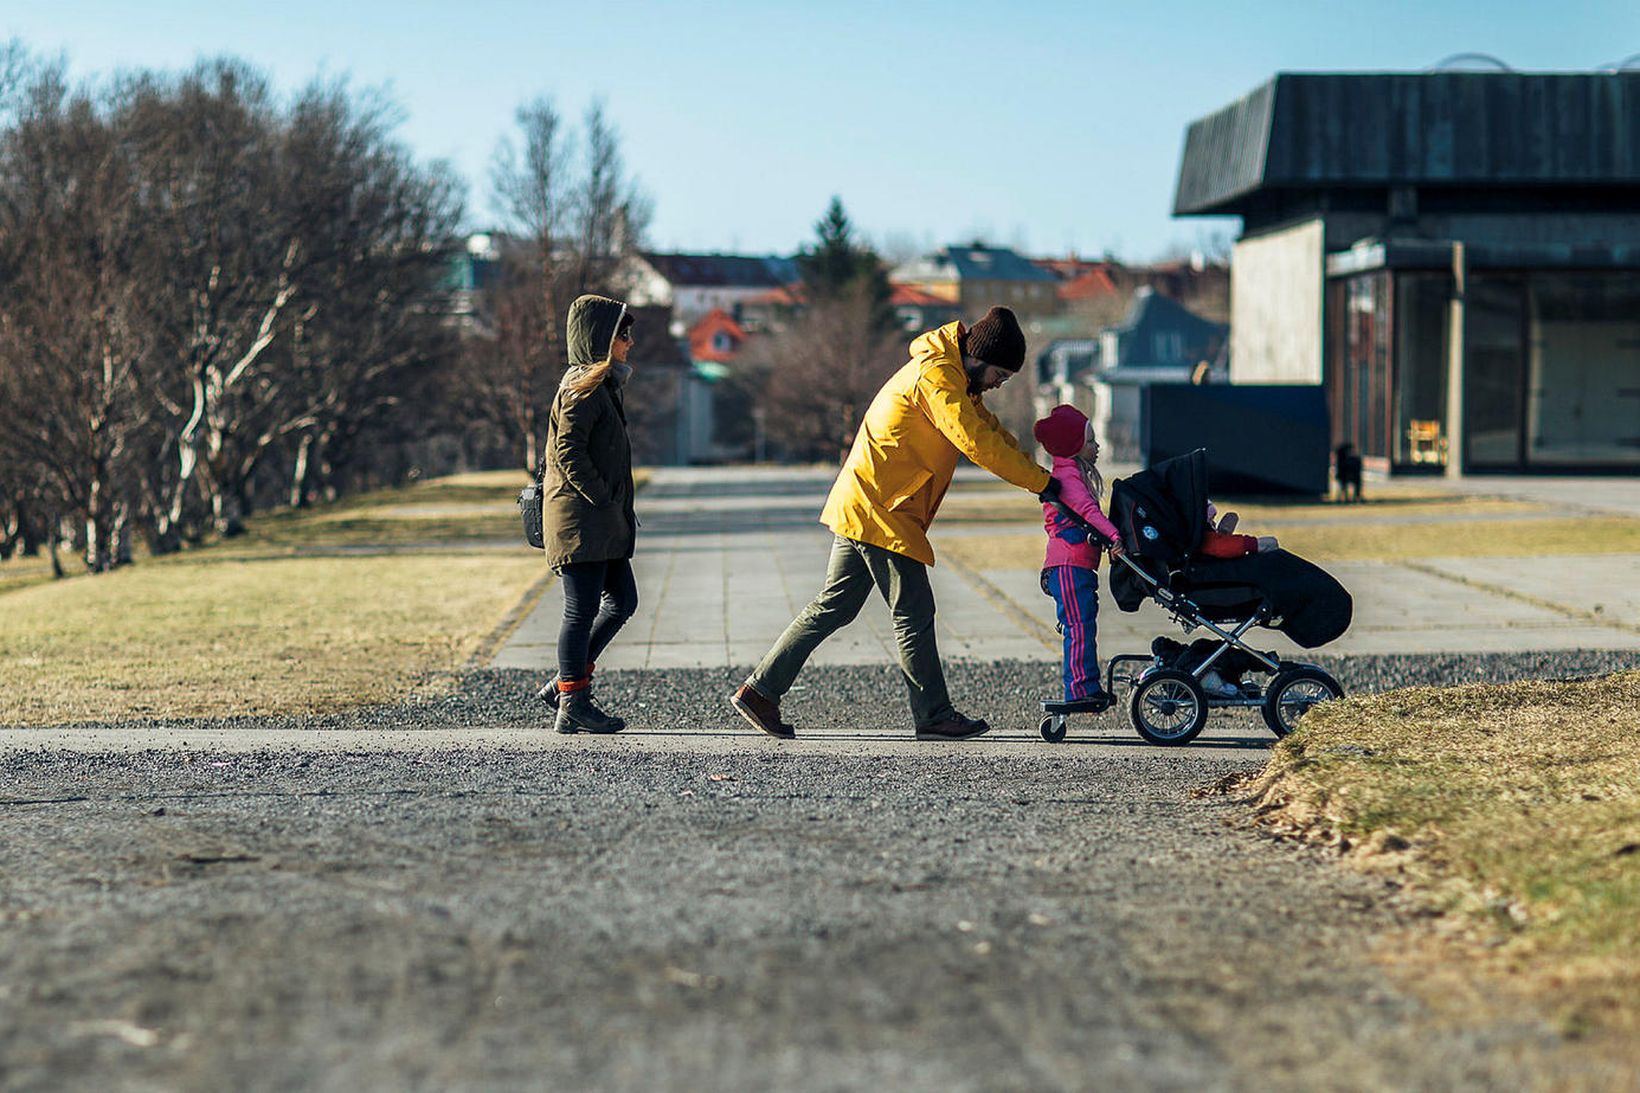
[1215, 743]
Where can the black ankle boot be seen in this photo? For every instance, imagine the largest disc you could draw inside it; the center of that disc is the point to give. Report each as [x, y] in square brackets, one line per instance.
[576, 713]
[549, 693]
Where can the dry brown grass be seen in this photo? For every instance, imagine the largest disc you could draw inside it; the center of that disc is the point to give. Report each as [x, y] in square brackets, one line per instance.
[996, 502]
[217, 638]
[20, 572]
[1364, 541]
[1514, 810]
[270, 622]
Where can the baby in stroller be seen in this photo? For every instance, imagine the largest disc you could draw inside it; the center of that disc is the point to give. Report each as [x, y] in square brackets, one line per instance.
[1161, 514]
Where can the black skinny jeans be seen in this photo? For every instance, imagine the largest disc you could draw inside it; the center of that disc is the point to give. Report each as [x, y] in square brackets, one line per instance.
[598, 599]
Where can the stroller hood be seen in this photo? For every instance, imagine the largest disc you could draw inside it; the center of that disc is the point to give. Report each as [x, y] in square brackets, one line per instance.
[1162, 511]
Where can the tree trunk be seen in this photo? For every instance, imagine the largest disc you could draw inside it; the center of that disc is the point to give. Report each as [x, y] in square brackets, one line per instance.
[99, 526]
[532, 452]
[299, 475]
[51, 548]
[121, 536]
[227, 513]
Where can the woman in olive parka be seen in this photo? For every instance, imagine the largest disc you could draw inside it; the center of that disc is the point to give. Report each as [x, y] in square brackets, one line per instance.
[586, 505]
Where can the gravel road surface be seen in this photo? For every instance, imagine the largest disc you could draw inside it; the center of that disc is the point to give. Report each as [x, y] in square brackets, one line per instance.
[691, 906]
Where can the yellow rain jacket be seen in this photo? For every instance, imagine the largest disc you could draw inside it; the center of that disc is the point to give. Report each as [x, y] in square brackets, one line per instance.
[906, 451]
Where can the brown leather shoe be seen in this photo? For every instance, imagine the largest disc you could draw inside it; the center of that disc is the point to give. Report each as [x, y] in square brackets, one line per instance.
[763, 714]
[956, 727]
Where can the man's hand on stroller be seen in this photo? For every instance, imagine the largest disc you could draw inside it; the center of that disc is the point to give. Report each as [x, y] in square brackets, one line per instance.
[1050, 492]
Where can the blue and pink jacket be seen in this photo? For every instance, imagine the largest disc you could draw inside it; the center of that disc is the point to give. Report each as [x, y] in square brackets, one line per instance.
[1068, 544]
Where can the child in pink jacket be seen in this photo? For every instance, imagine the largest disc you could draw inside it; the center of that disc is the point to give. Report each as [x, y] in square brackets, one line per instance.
[1070, 568]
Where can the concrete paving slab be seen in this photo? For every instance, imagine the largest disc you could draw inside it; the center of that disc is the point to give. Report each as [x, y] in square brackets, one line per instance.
[1613, 495]
[728, 556]
[1604, 587]
[1398, 609]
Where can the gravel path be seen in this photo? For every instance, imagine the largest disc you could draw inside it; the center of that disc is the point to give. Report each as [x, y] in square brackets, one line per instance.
[709, 910]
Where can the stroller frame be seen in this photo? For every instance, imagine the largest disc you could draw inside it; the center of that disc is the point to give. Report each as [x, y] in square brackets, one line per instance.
[1169, 692]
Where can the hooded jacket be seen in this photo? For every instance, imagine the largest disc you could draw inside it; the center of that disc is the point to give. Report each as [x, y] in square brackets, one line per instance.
[906, 451]
[586, 474]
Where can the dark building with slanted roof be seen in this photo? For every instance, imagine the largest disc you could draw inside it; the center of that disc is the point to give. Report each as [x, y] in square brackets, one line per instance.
[1455, 255]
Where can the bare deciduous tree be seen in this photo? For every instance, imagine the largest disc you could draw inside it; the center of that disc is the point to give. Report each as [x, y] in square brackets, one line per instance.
[822, 372]
[572, 216]
[205, 295]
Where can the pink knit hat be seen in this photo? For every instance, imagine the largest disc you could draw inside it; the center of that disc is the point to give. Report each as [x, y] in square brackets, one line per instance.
[1063, 432]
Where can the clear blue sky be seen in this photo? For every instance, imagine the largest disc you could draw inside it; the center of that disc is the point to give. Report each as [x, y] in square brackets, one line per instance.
[1048, 124]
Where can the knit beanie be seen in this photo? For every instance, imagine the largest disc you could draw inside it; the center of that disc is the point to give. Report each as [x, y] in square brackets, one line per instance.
[997, 340]
[1063, 432]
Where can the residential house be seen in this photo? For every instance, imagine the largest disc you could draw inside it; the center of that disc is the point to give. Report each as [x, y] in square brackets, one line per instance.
[694, 284]
[1081, 279]
[914, 310]
[770, 311]
[1063, 371]
[716, 337]
[1159, 341]
[473, 268]
[977, 277]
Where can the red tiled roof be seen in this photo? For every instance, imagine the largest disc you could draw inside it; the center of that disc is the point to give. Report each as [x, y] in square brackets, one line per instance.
[791, 295]
[1069, 269]
[909, 296]
[704, 333]
[1088, 286]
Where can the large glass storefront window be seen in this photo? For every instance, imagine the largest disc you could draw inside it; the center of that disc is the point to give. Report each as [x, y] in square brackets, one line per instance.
[1583, 369]
[1423, 303]
[1552, 370]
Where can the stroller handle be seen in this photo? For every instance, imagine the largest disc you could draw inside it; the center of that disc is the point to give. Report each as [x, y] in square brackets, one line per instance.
[1100, 538]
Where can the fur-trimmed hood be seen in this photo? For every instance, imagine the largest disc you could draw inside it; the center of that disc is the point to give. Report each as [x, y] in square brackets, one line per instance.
[591, 328]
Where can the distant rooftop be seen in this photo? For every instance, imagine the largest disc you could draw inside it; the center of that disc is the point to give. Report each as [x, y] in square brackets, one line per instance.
[1313, 131]
[975, 262]
[719, 270]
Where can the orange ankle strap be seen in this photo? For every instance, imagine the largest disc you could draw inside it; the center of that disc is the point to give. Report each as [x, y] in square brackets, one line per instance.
[565, 686]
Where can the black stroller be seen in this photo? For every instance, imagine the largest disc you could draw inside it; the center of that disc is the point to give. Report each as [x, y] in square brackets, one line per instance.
[1162, 514]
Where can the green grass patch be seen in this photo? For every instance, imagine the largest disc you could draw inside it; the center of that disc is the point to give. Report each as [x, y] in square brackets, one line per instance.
[1514, 809]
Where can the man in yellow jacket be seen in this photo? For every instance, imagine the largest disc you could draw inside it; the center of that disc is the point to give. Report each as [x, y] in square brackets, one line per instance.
[881, 506]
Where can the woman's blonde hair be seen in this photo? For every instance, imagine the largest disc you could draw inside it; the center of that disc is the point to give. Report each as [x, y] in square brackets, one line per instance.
[584, 381]
[1090, 474]
[580, 382]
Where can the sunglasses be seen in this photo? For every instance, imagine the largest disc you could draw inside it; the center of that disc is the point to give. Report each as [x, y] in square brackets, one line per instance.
[626, 336]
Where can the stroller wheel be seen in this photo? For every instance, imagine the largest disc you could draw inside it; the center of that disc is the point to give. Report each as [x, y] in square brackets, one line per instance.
[1293, 692]
[1168, 707]
[1053, 728]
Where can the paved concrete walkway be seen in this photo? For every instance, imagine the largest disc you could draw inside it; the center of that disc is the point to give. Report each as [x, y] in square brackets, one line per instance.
[1608, 495]
[727, 556]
